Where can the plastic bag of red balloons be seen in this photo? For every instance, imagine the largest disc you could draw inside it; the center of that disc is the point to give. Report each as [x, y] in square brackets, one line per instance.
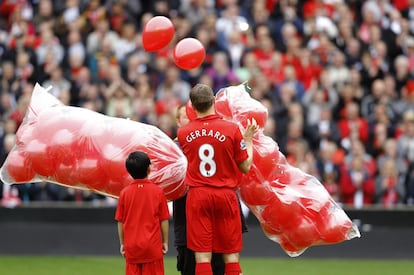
[293, 208]
[79, 148]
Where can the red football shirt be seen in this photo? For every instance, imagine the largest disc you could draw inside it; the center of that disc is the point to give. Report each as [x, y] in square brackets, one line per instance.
[141, 207]
[213, 147]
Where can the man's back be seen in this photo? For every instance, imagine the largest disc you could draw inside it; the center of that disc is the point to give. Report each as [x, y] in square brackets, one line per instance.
[213, 148]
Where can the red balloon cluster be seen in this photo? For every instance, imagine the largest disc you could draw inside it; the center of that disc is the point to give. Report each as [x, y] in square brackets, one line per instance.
[231, 104]
[294, 209]
[158, 32]
[80, 148]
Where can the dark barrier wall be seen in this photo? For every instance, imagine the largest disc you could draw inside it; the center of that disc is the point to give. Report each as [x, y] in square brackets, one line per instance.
[82, 230]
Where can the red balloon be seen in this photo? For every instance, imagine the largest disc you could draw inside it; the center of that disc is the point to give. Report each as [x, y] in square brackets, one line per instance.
[61, 147]
[259, 115]
[89, 173]
[175, 190]
[287, 245]
[157, 34]
[18, 167]
[114, 187]
[113, 162]
[266, 155]
[282, 215]
[191, 113]
[24, 134]
[88, 133]
[269, 230]
[66, 175]
[255, 192]
[189, 53]
[304, 234]
[281, 176]
[54, 119]
[333, 224]
[41, 161]
[222, 105]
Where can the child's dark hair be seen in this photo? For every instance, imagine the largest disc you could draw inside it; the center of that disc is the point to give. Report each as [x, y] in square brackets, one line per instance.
[137, 164]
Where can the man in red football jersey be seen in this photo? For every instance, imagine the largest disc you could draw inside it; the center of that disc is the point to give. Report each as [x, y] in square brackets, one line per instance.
[142, 215]
[217, 152]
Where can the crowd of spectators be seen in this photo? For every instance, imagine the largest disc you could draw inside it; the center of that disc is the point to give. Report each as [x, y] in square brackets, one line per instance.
[336, 76]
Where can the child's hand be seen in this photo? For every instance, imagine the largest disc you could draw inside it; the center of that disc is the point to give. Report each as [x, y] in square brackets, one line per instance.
[121, 250]
[164, 248]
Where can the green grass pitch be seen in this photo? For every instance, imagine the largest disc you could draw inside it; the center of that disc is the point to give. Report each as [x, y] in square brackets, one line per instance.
[91, 265]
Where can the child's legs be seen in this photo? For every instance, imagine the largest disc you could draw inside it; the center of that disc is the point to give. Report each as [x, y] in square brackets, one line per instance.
[153, 268]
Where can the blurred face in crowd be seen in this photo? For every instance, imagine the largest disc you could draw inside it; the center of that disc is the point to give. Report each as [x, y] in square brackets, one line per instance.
[181, 118]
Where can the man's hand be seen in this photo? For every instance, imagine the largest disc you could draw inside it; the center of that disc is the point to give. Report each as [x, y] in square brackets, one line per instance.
[248, 135]
[251, 130]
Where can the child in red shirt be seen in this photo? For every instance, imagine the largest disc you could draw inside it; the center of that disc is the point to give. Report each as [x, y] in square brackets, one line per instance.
[142, 215]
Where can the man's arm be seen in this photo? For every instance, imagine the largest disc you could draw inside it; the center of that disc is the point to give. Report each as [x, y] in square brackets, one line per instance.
[164, 232]
[121, 238]
[251, 129]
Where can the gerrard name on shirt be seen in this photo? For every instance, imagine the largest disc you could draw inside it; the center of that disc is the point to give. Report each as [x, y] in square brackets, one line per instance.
[205, 133]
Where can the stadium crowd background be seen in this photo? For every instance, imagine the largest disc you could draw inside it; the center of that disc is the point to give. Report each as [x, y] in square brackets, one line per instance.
[336, 76]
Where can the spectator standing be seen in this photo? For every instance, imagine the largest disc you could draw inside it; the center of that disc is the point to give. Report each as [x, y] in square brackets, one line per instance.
[357, 185]
[315, 101]
[405, 145]
[323, 130]
[390, 151]
[353, 124]
[389, 186]
[142, 215]
[119, 99]
[95, 38]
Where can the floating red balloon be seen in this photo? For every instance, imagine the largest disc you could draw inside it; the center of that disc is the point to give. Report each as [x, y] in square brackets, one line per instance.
[189, 53]
[157, 34]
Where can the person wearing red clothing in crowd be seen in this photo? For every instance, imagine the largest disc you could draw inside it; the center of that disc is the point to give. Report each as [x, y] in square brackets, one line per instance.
[142, 215]
[353, 125]
[217, 153]
[357, 185]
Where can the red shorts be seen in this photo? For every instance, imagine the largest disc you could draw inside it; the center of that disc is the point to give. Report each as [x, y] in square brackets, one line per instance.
[155, 268]
[213, 220]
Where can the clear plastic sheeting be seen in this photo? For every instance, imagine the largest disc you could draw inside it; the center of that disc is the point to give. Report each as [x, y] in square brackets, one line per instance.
[294, 208]
[80, 148]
